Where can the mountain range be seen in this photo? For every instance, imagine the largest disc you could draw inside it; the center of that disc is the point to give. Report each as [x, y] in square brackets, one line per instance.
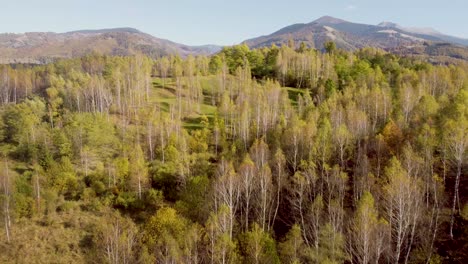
[43, 47]
[352, 36]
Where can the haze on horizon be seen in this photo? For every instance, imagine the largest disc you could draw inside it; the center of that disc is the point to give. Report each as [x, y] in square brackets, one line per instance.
[223, 23]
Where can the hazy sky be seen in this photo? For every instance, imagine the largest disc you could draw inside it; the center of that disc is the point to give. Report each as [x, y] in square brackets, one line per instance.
[223, 22]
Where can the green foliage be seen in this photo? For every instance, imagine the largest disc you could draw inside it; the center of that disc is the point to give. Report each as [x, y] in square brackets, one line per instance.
[138, 172]
[331, 247]
[167, 234]
[193, 199]
[330, 47]
[259, 247]
[22, 126]
[164, 178]
[464, 212]
[216, 64]
[236, 56]
[292, 249]
[126, 200]
[62, 177]
[330, 87]
[126, 166]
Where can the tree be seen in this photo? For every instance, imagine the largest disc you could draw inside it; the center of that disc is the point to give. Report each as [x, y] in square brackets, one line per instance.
[215, 64]
[279, 173]
[259, 246]
[364, 231]
[392, 136]
[118, 238]
[331, 247]
[294, 142]
[138, 171]
[299, 193]
[324, 140]
[171, 237]
[247, 172]
[36, 181]
[227, 191]
[403, 203]
[330, 47]
[6, 196]
[456, 131]
[221, 248]
[291, 249]
[164, 65]
[342, 138]
[260, 155]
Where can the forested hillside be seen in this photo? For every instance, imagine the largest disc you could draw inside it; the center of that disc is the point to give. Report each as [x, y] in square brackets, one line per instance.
[271, 155]
[47, 47]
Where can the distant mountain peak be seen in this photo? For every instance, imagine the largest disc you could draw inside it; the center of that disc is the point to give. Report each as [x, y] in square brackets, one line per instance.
[329, 20]
[388, 24]
[353, 36]
[106, 30]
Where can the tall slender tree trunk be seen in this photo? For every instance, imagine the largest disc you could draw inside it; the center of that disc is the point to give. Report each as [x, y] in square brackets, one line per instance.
[455, 197]
[6, 201]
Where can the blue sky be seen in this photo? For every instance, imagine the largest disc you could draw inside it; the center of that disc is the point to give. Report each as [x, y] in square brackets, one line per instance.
[223, 22]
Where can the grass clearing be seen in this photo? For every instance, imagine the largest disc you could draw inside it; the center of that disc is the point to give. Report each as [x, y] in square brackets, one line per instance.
[293, 94]
[164, 94]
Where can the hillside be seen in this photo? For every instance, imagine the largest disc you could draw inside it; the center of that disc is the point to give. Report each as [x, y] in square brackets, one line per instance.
[352, 36]
[43, 47]
[329, 142]
[298, 156]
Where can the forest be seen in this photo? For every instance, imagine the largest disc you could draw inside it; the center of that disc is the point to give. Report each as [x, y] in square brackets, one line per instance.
[273, 155]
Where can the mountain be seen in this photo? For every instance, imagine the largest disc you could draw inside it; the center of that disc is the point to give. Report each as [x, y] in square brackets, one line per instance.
[43, 47]
[351, 36]
[427, 31]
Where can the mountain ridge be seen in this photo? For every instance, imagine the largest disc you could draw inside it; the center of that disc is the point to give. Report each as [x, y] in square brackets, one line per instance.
[106, 30]
[427, 31]
[347, 35]
[44, 47]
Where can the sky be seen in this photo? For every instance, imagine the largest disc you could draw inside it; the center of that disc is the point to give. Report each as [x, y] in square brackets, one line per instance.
[199, 22]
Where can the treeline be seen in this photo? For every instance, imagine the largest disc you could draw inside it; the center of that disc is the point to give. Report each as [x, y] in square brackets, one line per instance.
[308, 157]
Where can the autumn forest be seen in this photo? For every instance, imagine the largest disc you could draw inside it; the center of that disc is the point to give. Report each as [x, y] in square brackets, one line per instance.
[271, 155]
